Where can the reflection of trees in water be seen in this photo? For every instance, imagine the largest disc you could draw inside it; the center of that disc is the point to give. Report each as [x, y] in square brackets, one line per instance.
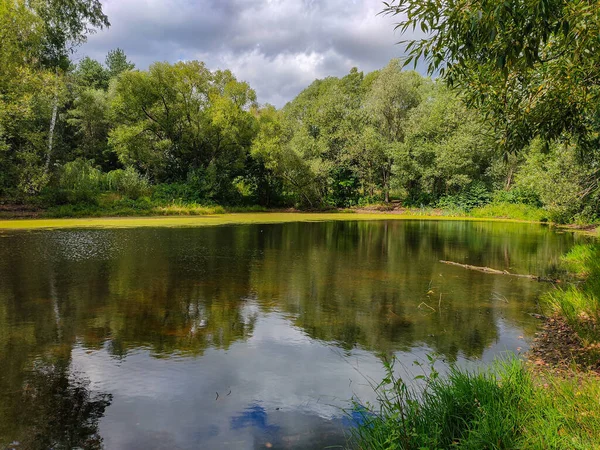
[184, 290]
[54, 408]
[354, 283]
[378, 285]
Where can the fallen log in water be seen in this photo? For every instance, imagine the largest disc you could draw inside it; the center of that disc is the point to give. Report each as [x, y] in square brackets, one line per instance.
[499, 272]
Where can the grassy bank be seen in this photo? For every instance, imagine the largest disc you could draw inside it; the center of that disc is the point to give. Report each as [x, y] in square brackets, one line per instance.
[511, 211]
[579, 304]
[551, 402]
[500, 408]
[129, 211]
[209, 219]
[116, 205]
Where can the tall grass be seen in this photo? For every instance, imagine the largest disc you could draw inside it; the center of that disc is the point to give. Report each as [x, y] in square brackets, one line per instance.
[497, 408]
[579, 303]
[505, 210]
[470, 409]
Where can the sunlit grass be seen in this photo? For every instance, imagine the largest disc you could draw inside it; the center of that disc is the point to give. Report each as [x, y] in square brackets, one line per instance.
[187, 210]
[579, 304]
[497, 408]
[511, 211]
[214, 217]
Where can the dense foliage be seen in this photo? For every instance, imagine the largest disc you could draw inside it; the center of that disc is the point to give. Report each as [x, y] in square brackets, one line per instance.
[531, 68]
[185, 134]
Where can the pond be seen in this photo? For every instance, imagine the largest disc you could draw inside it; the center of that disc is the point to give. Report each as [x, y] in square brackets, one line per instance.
[246, 336]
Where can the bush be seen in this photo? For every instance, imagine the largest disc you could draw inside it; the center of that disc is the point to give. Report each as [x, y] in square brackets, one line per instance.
[79, 181]
[518, 195]
[128, 182]
[477, 194]
[175, 192]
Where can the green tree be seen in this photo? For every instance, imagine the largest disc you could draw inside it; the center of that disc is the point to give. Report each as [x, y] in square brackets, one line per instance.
[116, 63]
[531, 66]
[177, 119]
[446, 148]
[271, 149]
[392, 96]
[556, 174]
[66, 25]
[325, 123]
[90, 118]
[90, 74]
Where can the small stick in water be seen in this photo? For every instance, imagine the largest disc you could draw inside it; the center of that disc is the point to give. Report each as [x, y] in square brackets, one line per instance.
[497, 272]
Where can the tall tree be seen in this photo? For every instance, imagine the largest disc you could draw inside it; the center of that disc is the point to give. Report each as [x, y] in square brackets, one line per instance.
[116, 62]
[90, 74]
[66, 25]
[392, 96]
[174, 119]
[447, 148]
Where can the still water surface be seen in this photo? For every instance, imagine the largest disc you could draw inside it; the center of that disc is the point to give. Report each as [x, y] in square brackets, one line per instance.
[249, 336]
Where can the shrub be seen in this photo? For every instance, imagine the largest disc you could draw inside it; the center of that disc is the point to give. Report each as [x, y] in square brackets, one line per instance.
[175, 192]
[477, 194]
[518, 195]
[79, 181]
[129, 182]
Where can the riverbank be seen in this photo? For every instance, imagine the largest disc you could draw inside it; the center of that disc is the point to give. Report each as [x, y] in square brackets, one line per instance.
[506, 406]
[108, 206]
[125, 209]
[550, 399]
[227, 219]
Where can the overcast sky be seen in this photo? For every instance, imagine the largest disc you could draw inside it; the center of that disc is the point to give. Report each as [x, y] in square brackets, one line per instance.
[278, 46]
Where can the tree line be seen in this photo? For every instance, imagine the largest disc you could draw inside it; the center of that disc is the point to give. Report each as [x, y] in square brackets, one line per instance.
[88, 132]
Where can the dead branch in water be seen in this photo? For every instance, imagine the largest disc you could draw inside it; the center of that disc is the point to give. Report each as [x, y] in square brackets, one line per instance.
[499, 272]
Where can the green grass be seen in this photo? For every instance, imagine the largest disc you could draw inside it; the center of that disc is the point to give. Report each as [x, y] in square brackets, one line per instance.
[497, 408]
[511, 211]
[187, 220]
[115, 206]
[579, 303]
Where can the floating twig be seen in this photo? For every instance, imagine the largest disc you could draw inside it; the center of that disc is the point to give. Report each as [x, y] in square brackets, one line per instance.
[499, 272]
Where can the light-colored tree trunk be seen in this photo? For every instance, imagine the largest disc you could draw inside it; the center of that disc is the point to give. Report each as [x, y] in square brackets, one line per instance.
[52, 126]
[509, 179]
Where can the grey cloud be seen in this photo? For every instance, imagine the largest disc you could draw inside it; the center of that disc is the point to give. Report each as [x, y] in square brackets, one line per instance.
[278, 46]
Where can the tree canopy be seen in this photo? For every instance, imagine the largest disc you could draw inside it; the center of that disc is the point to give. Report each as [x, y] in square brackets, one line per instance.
[507, 106]
[530, 66]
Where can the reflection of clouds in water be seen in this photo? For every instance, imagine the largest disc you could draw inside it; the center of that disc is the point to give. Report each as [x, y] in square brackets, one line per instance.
[286, 389]
[286, 379]
[288, 320]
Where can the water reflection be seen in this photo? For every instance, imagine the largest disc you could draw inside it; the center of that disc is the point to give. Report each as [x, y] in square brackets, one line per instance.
[51, 407]
[278, 316]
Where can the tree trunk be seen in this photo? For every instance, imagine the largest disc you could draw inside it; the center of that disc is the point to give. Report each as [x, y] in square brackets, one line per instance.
[52, 126]
[509, 179]
[386, 180]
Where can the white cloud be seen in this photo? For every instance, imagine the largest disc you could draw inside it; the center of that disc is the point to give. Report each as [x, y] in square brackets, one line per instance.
[278, 46]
